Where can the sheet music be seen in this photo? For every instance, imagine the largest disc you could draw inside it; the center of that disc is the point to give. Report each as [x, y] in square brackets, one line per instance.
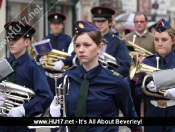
[5, 68]
[164, 79]
[42, 47]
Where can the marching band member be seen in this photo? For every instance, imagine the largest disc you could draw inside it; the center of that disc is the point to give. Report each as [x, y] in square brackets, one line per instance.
[59, 41]
[27, 73]
[164, 37]
[94, 91]
[102, 17]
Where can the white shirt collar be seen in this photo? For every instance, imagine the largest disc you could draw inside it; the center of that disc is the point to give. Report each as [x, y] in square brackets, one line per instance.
[140, 35]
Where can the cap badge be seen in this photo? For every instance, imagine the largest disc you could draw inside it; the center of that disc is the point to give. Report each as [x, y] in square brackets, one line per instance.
[81, 25]
[10, 27]
[162, 24]
[99, 11]
[55, 16]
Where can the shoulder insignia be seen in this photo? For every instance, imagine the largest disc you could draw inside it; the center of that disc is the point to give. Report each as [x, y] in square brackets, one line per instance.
[72, 67]
[116, 73]
[37, 63]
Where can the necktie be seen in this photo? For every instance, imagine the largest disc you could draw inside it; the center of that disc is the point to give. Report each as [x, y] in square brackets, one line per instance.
[162, 60]
[81, 103]
[54, 45]
[12, 76]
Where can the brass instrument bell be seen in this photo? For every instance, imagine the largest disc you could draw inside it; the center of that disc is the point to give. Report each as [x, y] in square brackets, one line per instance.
[52, 56]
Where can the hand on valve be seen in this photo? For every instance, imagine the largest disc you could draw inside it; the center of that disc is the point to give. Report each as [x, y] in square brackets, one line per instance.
[54, 108]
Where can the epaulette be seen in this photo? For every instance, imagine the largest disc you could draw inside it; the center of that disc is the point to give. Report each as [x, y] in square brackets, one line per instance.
[72, 67]
[37, 63]
[114, 73]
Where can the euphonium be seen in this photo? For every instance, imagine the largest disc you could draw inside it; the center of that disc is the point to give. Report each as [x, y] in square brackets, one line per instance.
[61, 94]
[16, 95]
[52, 56]
[108, 61]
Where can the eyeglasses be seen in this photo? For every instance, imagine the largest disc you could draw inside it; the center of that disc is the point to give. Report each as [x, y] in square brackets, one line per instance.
[139, 21]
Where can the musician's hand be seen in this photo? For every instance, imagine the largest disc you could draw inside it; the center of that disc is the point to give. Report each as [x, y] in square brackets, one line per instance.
[58, 65]
[54, 108]
[151, 86]
[141, 58]
[17, 112]
[41, 60]
[2, 98]
[170, 93]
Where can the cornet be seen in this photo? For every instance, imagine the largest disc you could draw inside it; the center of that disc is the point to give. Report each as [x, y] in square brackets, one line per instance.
[61, 93]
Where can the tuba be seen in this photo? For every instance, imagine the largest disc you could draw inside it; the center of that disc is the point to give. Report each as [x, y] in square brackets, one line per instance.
[16, 95]
[51, 57]
[61, 93]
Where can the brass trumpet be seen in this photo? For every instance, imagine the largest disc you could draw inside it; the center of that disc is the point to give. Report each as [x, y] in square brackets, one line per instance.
[52, 56]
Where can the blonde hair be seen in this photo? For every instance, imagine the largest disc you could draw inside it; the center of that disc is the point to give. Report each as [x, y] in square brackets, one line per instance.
[171, 33]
